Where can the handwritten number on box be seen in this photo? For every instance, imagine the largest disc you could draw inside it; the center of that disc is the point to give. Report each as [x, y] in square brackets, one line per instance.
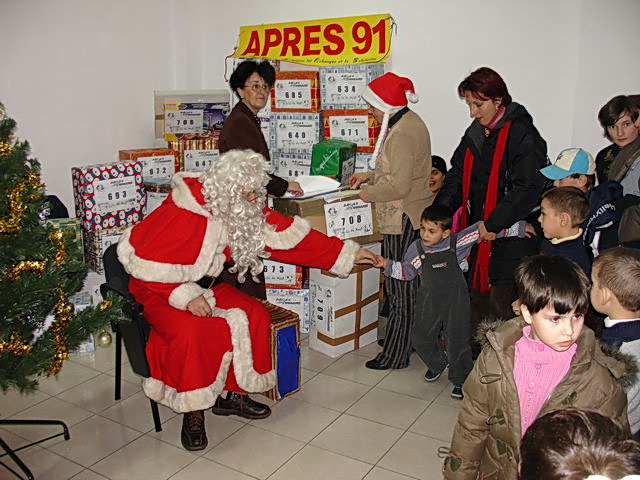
[348, 219]
[183, 121]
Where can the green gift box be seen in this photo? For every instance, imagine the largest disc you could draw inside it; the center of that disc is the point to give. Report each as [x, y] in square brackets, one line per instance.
[334, 158]
[70, 228]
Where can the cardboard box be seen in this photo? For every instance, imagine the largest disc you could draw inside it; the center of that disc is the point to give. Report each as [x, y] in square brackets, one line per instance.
[341, 86]
[157, 192]
[355, 126]
[96, 243]
[157, 163]
[295, 132]
[323, 212]
[109, 194]
[282, 275]
[298, 301]
[195, 154]
[297, 91]
[285, 351]
[71, 230]
[292, 165]
[334, 158]
[344, 312]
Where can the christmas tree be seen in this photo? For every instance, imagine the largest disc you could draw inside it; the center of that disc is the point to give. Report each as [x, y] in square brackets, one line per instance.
[39, 270]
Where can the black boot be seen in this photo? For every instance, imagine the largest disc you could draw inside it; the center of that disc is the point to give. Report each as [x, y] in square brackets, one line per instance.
[240, 404]
[193, 435]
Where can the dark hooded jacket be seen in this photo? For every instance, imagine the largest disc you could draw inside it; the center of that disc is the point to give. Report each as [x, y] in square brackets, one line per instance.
[486, 438]
[519, 187]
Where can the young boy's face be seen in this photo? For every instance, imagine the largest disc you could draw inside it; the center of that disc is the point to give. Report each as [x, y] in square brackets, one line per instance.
[624, 131]
[556, 331]
[431, 232]
[549, 220]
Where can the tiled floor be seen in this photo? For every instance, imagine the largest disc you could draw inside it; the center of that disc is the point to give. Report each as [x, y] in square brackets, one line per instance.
[346, 423]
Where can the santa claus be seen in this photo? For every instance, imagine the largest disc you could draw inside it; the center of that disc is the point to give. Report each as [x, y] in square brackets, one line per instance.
[206, 336]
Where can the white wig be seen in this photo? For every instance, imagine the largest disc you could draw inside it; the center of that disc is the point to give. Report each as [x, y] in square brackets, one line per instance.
[232, 176]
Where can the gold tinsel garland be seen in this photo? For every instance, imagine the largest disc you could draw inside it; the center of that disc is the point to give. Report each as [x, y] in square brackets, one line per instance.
[61, 253]
[63, 310]
[16, 346]
[5, 148]
[18, 269]
[16, 204]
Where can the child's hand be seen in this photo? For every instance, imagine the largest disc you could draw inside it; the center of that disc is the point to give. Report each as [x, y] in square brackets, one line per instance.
[380, 262]
[515, 306]
[529, 232]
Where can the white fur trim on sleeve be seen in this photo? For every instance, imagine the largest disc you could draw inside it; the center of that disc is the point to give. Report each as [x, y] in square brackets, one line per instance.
[182, 295]
[344, 263]
[290, 237]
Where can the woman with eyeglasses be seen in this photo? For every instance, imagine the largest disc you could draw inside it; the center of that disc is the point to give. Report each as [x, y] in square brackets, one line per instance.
[251, 81]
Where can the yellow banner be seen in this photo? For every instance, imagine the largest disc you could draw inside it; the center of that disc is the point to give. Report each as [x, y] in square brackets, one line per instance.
[334, 41]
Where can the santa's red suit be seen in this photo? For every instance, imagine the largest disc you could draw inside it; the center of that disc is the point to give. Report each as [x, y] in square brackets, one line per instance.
[192, 359]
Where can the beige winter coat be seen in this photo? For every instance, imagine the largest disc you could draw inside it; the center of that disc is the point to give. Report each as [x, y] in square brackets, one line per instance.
[486, 439]
[401, 178]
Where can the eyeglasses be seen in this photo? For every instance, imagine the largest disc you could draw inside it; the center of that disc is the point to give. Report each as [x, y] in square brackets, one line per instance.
[257, 87]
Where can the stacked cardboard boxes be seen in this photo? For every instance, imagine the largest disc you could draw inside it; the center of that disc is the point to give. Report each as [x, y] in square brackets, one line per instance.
[344, 311]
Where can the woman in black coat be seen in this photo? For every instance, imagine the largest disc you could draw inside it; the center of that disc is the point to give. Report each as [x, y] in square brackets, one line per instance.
[495, 175]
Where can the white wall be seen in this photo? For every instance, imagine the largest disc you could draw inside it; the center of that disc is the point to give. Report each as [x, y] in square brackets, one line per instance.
[78, 75]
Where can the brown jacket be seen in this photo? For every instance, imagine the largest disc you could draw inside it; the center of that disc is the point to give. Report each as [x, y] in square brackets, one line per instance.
[242, 130]
[401, 178]
[486, 439]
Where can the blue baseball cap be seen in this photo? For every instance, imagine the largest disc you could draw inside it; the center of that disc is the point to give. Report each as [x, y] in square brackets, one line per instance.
[570, 161]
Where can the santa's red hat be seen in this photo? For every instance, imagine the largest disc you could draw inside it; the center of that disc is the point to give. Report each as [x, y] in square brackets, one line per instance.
[389, 94]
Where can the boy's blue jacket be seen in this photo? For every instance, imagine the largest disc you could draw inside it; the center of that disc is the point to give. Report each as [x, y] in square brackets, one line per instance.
[603, 215]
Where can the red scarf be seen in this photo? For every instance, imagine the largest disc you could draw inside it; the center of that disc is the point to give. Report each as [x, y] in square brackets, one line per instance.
[481, 271]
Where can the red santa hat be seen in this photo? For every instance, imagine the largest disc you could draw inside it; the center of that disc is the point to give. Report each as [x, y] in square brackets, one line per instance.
[389, 94]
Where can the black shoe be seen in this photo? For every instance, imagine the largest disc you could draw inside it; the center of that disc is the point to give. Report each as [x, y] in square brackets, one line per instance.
[381, 342]
[193, 435]
[376, 365]
[240, 404]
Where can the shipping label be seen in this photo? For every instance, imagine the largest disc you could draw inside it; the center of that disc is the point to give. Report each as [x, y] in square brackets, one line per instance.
[115, 194]
[353, 128]
[348, 219]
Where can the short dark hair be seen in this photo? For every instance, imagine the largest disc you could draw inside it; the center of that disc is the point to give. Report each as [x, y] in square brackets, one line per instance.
[247, 68]
[485, 83]
[438, 214]
[552, 280]
[616, 108]
[570, 200]
[591, 179]
[572, 443]
[618, 269]
[439, 163]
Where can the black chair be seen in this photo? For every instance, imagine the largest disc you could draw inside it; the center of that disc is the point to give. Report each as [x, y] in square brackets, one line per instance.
[134, 333]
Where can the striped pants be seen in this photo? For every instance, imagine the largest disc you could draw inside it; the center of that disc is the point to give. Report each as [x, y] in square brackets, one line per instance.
[401, 296]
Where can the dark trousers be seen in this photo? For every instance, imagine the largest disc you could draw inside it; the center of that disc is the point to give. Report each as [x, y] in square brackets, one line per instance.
[447, 312]
[401, 296]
